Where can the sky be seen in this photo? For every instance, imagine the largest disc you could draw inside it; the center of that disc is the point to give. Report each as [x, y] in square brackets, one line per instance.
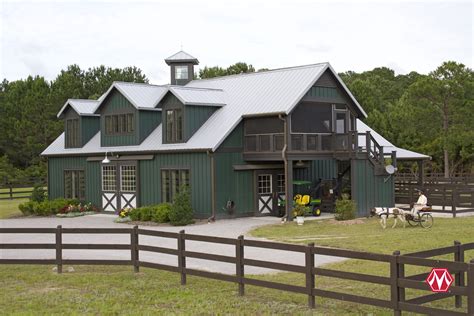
[43, 37]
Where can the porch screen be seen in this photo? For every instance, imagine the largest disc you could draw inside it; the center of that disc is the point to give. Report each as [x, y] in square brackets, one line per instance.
[171, 182]
[74, 184]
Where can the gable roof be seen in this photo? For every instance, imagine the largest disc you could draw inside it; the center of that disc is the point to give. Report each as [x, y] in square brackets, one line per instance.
[199, 96]
[81, 106]
[261, 93]
[388, 147]
[181, 56]
[142, 96]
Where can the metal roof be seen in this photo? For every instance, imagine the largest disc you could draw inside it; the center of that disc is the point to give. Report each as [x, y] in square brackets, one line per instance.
[142, 96]
[388, 147]
[182, 56]
[199, 96]
[81, 106]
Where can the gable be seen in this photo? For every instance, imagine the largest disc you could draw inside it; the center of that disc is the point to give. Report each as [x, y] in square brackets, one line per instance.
[115, 102]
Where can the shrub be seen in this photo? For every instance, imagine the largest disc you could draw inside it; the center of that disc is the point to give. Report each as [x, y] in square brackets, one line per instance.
[301, 210]
[134, 214]
[145, 213]
[38, 194]
[345, 208]
[181, 212]
[161, 213]
[46, 207]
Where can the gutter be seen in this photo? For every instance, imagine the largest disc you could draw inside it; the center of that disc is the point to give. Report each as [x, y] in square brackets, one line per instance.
[213, 187]
[285, 163]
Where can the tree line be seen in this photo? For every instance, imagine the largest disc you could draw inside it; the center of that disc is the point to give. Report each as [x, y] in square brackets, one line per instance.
[432, 114]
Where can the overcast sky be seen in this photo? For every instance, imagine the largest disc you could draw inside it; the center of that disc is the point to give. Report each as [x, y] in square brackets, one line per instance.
[41, 38]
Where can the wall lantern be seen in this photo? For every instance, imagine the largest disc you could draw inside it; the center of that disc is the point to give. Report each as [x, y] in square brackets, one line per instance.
[106, 160]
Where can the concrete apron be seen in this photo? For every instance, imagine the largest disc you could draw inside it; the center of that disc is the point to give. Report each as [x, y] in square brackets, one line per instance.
[230, 228]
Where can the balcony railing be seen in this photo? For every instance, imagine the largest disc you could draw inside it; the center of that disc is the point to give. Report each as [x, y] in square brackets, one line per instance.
[349, 143]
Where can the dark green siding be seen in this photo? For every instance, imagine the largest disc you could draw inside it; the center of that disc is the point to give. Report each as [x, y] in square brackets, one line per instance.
[370, 190]
[169, 102]
[116, 103]
[56, 167]
[235, 138]
[200, 174]
[89, 127]
[325, 93]
[194, 118]
[318, 169]
[148, 121]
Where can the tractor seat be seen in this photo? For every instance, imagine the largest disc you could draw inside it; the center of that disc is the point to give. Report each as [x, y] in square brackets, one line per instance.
[426, 209]
[305, 200]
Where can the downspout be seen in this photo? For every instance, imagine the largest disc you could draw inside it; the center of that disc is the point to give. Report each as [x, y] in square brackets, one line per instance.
[213, 188]
[285, 163]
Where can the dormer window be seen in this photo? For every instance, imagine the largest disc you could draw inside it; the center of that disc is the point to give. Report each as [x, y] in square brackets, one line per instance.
[119, 124]
[72, 133]
[181, 72]
[174, 125]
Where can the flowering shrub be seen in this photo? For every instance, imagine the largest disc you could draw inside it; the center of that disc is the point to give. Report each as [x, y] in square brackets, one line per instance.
[78, 208]
[125, 212]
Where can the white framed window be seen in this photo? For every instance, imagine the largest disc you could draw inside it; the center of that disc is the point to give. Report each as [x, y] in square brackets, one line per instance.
[181, 72]
[264, 183]
[128, 178]
[109, 178]
[281, 183]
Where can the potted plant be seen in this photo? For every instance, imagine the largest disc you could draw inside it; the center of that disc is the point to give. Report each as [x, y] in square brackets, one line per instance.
[299, 211]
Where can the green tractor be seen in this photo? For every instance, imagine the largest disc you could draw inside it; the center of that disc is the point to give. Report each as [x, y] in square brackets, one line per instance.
[304, 196]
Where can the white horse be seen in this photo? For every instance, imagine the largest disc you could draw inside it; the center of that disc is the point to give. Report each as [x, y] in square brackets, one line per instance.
[385, 212]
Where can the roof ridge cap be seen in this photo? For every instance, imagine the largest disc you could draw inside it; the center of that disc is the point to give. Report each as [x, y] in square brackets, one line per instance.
[139, 83]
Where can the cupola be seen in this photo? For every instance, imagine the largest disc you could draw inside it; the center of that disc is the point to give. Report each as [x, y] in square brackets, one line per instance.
[181, 67]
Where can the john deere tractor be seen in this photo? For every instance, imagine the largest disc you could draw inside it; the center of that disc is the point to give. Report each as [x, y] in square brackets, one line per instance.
[304, 194]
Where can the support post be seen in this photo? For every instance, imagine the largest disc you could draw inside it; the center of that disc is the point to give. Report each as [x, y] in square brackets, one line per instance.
[239, 263]
[59, 248]
[367, 143]
[134, 248]
[394, 289]
[470, 288]
[289, 189]
[309, 255]
[182, 257]
[454, 201]
[459, 276]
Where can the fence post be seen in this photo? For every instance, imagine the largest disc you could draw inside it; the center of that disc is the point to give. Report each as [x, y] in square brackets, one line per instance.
[454, 201]
[309, 255]
[59, 249]
[470, 288]
[395, 293]
[10, 187]
[134, 248]
[239, 263]
[182, 257]
[459, 276]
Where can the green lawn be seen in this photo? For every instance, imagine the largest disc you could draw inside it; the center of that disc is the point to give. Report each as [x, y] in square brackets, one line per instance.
[369, 235]
[117, 290]
[9, 208]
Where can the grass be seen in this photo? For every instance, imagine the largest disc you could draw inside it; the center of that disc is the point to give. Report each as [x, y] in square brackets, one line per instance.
[9, 208]
[17, 192]
[369, 235]
[117, 290]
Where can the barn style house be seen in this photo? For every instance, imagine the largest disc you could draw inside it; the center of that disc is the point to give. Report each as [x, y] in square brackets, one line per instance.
[240, 143]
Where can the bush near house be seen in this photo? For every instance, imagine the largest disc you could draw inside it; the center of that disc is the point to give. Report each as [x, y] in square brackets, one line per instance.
[156, 213]
[345, 208]
[60, 207]
[181, 212]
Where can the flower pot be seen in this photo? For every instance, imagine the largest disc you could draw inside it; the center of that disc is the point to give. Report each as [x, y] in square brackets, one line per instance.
[300, 220]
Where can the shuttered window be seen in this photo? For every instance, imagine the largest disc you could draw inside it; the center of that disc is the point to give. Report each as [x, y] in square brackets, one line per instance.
[171, 182]
[74, 184]
[72, 133]
[119, 124]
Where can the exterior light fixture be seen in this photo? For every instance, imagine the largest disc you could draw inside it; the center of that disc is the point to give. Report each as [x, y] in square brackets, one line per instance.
[300, 163]
[106, 160]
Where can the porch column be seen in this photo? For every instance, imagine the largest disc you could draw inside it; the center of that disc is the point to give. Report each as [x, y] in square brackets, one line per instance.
[289, 190]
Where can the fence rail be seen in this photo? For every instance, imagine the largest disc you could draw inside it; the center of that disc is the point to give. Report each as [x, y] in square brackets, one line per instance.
[397, 281]
[20, 190]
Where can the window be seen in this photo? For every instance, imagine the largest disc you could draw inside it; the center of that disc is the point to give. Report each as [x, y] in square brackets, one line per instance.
[74, 184]
[109, 178]
[181, 72]
[281, 183]
[72, 133]
[174, 125]
[171, 182]
[119, 124]
[264, 183]
[128, 178]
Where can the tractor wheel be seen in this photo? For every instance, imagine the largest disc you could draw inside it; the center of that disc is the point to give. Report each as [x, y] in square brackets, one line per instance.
[316, 211]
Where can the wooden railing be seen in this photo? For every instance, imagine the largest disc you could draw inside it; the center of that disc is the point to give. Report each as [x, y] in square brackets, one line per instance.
[352, 142]
[397, 281]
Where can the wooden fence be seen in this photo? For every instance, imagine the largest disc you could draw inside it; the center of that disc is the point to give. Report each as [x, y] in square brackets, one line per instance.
[20, 190]
[397, 281]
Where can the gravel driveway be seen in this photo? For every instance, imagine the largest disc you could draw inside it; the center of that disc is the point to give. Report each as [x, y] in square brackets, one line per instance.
[231, 228]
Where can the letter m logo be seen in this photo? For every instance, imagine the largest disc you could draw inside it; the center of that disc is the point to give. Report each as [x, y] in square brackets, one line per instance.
[439, 280]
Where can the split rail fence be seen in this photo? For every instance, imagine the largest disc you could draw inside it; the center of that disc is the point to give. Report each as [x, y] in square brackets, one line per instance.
[397, 281]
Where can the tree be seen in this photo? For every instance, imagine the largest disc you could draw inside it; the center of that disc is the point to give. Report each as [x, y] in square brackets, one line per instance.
[216, 71]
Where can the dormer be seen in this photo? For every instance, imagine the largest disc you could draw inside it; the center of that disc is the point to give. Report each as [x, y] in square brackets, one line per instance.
[185, 110]
[128, 113]
[80, 122]
[181, 68]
